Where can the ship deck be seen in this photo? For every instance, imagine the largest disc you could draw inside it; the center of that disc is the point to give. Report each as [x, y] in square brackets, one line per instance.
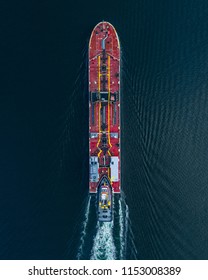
[104, 106]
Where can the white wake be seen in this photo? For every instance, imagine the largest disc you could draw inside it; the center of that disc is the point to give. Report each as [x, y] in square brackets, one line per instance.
[104, 240]
[84, 229]
[103, 246]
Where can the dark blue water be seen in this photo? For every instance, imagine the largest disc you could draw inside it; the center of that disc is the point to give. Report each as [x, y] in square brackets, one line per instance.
[45, 210]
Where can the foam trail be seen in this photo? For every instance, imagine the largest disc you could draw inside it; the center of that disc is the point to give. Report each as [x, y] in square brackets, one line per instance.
[121, 225]
[104, 247]
[126, 225]
[84, 229]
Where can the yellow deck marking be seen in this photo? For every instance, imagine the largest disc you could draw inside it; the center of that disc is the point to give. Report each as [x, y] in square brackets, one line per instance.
[99, 152]
[99, 73]
[109, 177]
[109, 103]
[99, 106]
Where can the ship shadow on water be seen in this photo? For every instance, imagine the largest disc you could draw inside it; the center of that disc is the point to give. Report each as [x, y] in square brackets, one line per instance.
[105, 240]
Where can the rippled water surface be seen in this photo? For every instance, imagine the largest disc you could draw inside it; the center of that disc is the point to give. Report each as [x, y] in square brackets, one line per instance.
[46, 212]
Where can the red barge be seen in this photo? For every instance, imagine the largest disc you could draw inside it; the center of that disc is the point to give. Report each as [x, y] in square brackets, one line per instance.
[104, 110]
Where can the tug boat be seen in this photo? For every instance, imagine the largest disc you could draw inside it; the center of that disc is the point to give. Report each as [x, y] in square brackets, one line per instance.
[104, 200]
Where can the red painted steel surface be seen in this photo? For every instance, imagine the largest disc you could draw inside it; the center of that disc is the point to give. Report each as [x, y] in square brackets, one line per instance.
[104, 105]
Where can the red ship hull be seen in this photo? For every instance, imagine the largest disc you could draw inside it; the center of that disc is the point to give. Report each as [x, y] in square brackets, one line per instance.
[104, 107]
